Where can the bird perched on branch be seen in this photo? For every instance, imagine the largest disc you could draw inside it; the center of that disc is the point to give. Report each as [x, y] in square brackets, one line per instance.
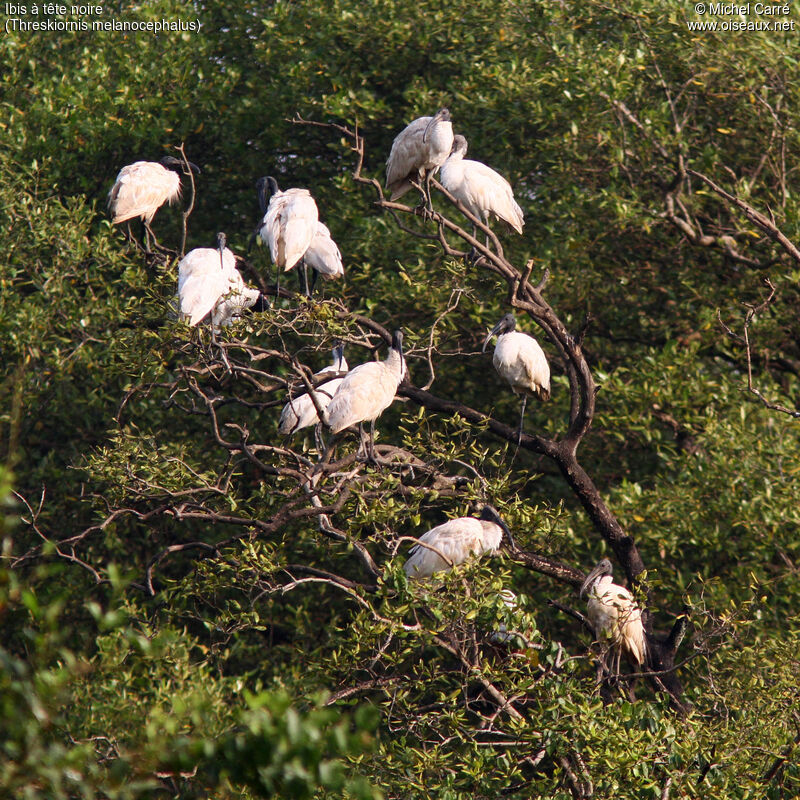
[323, 256]
[417, 153]
[289, 224]
[614, 614]
[366, 392]
[210, 284]
[484, 192]
[453, 542]
[143, 187]
[520, 360]
[300, 412]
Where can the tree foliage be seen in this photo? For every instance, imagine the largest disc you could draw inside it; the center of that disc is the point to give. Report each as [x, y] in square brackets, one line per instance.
[193, 606]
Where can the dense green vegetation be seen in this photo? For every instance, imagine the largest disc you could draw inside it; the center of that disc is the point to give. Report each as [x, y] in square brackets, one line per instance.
[189, 609]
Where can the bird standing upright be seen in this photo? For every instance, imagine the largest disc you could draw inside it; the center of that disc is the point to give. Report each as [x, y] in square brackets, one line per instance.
[417, 153]
[453, 542]
[366, 392]
[484, 192]
[142, 188]
[614, 614]
[520, 360]
[289, 223]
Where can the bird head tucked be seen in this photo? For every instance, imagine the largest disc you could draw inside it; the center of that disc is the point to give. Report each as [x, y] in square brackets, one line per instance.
[442, 115]
[459, 145]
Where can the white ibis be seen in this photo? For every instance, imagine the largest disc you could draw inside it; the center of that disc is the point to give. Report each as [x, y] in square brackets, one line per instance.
[417, 153]
[453, 542]
[484, 192]
[520, 360]
[289, 224]
[143, 187]
[209, 283]
[366, 392]
[614, 614]
[300, 412]
[323, 256]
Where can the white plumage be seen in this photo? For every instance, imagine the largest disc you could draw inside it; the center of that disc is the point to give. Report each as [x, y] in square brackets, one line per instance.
[208, 282]
[301, 412]
[484, 192]
[520, 360]
[289, 224]
[323, 255]
[142, 188]
[418, 151]
[367, 390]
[614, 614]
[444, 546]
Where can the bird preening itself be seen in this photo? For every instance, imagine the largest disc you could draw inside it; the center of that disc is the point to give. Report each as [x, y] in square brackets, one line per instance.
[484, 192]
[455, 541]
[614, 614]
[417, 153]
[210, 284]
[289, 225]
[520, 360]
[366, 392]
[300, 412]
[143, 187]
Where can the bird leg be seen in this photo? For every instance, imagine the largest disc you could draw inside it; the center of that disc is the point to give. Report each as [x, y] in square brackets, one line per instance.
[145, 237]
[222, 353]
[428, 197]
[314, 278]
[361, 445]
[318, 440]
[521, 418]
[372, 442]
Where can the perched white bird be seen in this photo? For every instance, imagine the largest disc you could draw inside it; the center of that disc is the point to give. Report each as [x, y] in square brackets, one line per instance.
[323, 256]
[367, 391]
[484, 192]
[521, 361]
[614, 614]
[417, 153]
[142, 188]
[289, 224]
[301, 412]
[209, 283]
[444, 546]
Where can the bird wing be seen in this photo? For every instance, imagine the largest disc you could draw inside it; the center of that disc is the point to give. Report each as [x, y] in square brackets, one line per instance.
[448, 544]
[201, 282]
[521, 361]
[323, 255]
[140, 189]
[407, 157]
[300, 412]
[365, 392]
[490, 191]
[289, 226]
[616, 616]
